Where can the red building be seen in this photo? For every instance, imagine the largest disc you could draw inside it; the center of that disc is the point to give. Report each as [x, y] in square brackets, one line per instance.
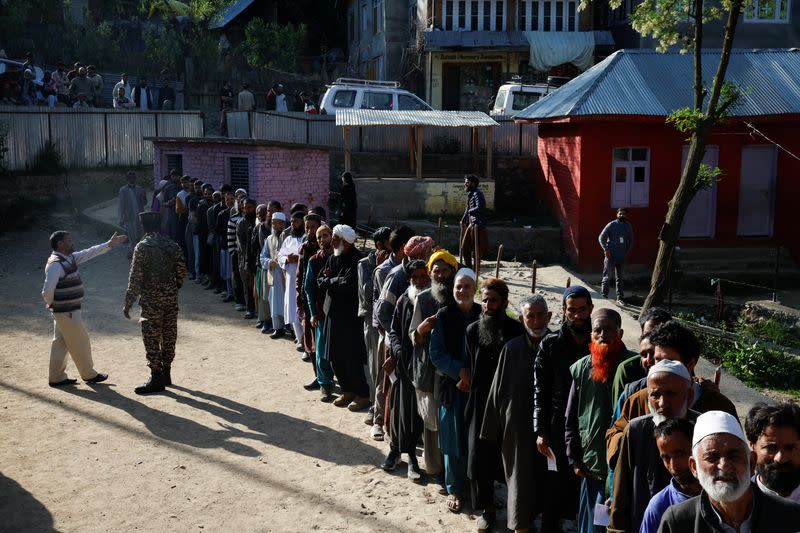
[604, 144]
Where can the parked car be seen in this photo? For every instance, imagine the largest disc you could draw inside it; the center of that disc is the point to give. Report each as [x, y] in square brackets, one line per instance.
[350, 93]
[515, 96]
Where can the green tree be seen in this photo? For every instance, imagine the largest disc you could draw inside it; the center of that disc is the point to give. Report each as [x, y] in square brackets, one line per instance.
[680, 23]
[269, 45]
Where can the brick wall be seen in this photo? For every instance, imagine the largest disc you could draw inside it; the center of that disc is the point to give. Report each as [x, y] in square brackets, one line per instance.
[287, 175]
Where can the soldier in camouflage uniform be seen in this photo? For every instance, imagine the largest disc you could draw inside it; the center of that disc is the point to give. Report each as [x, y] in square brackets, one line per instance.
[157, 272]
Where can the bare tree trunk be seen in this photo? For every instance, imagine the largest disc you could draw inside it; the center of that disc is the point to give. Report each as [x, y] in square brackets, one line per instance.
[687, 187]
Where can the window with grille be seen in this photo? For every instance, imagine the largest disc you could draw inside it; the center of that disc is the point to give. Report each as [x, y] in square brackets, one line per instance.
[473, 15]
[175, 162]
[554, 15]
[239, 172]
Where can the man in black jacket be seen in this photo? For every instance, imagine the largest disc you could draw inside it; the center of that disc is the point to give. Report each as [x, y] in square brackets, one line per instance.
[246, 263]
[485, 340]
[552, 381]
[721, 460]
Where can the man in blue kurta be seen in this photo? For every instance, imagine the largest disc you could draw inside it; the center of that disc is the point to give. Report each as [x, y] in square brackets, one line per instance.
[448, 354]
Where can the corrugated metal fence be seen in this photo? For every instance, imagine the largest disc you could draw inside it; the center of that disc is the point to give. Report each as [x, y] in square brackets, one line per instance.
[300, 128]
[94, 138]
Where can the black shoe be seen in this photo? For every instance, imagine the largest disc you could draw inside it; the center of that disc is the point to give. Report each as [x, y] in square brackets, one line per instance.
[391, 461]
[277, 334]
[299, 347]
[260, 324]
[249, 315]
[306, 357]
[100, 377]
[167, 376]
[63, 382]
[154, 384]
[227, 299]
[267, 330]
[314, 385]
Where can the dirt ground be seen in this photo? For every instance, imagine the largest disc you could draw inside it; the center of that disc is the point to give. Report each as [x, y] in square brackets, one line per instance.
[236, 445]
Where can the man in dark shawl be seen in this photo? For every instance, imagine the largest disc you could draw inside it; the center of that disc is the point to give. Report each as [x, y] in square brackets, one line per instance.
[307, 250]
[343, 330]
[509, 414]
[484, 342]
[405, 425]
[448, 354]
[552, 381]
[442, 266]
[316, 298]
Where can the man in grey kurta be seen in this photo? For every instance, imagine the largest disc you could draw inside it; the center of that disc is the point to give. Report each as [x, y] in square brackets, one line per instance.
[132, 200]
[509, 414]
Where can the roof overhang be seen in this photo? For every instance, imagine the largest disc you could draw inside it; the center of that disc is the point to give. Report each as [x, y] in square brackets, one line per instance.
[240, 142]
[442, 119]
[507, 41]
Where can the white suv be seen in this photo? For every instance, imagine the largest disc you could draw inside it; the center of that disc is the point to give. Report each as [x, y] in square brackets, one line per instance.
[349, 93]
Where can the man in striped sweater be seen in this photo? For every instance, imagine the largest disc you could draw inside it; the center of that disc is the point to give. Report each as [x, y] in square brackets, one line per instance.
[234, 218]
[63, 295]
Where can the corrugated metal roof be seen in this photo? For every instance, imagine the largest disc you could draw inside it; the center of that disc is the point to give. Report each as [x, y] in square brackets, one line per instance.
[451, 40]
[227, 15]
[645, 82]
[444, 119]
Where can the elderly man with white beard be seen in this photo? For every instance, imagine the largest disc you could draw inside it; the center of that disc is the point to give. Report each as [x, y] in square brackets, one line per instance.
[722, 461]
[640, 473]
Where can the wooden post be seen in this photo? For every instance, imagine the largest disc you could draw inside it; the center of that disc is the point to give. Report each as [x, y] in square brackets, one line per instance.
[489, 150]
[476, 250]
[497, 265]
[346, 133]
[569, 282]
[411, 148]
[720, 301]
[533, 277]
[475, 152]
[439, 232]
[419, 152]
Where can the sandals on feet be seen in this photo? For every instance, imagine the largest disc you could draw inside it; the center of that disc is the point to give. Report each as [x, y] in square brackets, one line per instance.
[454, 503]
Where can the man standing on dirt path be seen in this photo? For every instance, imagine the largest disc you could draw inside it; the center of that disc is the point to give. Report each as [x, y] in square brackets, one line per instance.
[63, 295]
[616, 240]
[474, 217]
[156, 275]
[131, 202]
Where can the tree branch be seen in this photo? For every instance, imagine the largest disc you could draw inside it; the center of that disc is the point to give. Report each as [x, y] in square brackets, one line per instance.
[698, 55]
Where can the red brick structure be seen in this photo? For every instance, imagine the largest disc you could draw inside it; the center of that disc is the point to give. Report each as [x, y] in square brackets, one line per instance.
[604, 143]
[268, 170]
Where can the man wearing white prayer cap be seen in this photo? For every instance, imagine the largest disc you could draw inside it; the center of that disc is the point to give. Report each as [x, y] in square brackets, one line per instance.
[343, 329]
[639, 473]
[721, 460]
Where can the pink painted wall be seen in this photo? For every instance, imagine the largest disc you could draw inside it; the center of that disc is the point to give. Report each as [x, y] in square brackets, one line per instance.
[287, 175]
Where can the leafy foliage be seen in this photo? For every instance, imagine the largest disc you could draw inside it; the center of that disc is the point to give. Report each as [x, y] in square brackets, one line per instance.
[707, 176]
[269, 45]
[48, 160]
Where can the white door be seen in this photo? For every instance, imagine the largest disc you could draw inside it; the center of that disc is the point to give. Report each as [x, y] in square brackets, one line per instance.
[699, 222]
[757, 191]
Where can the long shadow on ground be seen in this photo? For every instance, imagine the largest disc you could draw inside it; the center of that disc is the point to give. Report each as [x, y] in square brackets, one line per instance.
[20, 511]
[238, 421]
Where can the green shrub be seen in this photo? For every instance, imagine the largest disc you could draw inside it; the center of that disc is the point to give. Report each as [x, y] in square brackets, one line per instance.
[48, 160]
[757, 365]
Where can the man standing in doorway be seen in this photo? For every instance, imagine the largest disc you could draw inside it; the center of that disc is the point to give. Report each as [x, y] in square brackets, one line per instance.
[474, 217]
[616, 240]
[63, 295]
[131, 202]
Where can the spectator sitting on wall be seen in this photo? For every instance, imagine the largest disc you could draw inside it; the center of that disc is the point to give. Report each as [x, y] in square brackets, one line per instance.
[167, 92]
[81, 102]
[272, 95]
[247, 102]
[123, 82]
[28, 92]
[122, 101]
[81, 84]
[72, 74]
[225, 105]
[96, 79]
[280, 100]
[307, 105]
[48, 90]
[61, 82]
[142, 97]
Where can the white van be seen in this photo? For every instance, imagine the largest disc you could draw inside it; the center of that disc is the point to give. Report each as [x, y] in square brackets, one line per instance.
[514, 96]
[350, 93]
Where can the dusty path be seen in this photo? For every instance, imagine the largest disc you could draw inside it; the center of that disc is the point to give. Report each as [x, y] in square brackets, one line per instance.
[238, 445]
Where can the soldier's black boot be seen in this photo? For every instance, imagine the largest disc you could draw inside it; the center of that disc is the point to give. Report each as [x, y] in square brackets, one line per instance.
[167, 376]
[154, 384]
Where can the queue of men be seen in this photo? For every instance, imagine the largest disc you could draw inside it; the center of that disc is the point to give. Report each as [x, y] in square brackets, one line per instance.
[573, 421]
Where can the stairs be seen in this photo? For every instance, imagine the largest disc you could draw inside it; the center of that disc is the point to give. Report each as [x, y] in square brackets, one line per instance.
[753, 265]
